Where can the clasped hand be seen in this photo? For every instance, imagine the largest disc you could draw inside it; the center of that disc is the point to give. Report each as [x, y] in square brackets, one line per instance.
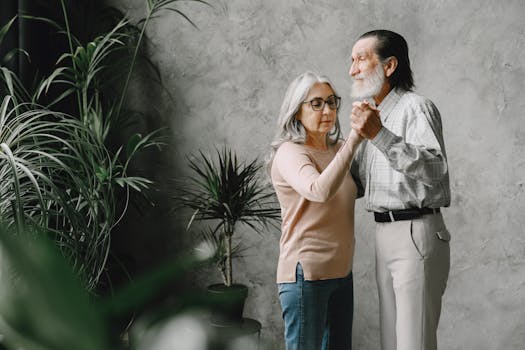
[365, 119]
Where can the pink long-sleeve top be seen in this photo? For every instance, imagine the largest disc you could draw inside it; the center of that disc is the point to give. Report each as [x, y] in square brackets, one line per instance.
[317, 195]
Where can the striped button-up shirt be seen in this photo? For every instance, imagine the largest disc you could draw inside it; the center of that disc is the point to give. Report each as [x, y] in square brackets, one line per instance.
[405, 165]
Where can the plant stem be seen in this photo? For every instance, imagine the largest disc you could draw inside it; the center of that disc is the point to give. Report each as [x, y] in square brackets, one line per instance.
[132, 65]
[228, 260]
[66, 21]
[223, 275]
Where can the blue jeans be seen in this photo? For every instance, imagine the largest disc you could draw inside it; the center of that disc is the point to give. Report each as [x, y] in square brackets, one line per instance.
[317, 314]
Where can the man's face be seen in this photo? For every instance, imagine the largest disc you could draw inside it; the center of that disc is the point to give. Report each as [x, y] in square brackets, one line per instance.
[366, 69]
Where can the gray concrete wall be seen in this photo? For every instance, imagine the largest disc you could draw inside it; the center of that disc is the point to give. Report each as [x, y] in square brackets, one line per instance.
[227, 80]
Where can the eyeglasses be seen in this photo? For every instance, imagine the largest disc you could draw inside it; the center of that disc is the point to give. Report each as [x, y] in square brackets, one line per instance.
[332, 101]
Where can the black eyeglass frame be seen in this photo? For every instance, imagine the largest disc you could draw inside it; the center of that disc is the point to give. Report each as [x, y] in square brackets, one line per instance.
[320, 108]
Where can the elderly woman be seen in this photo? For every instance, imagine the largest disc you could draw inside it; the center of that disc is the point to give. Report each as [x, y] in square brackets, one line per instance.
[309, 169]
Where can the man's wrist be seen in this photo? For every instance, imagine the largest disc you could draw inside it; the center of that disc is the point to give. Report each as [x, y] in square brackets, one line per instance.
[383, 139]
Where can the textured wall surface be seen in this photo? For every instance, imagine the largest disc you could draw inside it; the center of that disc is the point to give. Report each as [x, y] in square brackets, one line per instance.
[225, 82]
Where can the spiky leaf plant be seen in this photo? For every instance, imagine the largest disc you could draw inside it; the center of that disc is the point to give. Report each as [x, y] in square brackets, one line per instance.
[228, 192]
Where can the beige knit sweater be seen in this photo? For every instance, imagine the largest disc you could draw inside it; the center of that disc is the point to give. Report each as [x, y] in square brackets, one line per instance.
[317, 195]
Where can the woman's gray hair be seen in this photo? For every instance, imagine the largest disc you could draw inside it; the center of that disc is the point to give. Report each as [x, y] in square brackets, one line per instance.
[288, 127]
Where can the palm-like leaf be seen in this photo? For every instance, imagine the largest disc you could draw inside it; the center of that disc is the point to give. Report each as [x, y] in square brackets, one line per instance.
[228, 191]
[44, 158]
[60, 176]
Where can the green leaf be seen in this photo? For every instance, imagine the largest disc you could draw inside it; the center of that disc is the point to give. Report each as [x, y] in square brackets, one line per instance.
[102, 173]
[5, 28]
[135, 182]
[9, 56]
[132, 144]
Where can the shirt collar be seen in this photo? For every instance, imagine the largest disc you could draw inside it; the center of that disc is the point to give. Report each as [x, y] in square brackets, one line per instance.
[389, 102]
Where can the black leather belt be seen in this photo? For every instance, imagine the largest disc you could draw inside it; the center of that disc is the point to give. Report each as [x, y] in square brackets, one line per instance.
[404, 214]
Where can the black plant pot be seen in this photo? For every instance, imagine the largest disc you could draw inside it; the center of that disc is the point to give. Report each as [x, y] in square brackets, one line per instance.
[227, 303]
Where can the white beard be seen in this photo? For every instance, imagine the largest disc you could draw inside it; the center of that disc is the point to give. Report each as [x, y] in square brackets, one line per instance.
[370, 86]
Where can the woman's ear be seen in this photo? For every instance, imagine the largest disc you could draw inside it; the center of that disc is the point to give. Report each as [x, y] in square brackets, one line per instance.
[390, 66]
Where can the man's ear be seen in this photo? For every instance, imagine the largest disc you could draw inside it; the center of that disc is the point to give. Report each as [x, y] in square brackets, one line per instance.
[390, 66]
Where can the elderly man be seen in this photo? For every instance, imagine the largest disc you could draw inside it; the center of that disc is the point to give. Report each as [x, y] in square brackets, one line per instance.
[401, 170]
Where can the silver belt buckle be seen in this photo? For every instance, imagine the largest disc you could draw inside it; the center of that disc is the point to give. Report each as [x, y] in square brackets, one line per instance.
[391, 216]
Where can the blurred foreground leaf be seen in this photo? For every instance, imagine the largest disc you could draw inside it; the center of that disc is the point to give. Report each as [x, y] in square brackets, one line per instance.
[42, 304]
[44, 307]
[144, 288]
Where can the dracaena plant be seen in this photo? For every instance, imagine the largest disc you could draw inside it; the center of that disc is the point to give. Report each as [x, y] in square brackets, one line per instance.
[226, 192]
[57, 167]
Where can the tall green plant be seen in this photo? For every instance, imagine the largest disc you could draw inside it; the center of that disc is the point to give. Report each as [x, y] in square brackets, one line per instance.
[228, 192]
[58, 170]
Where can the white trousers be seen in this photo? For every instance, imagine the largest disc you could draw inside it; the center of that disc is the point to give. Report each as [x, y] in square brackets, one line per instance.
[412, 267]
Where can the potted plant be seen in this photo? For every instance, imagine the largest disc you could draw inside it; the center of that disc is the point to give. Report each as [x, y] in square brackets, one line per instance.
[60, 167]
[227, 193]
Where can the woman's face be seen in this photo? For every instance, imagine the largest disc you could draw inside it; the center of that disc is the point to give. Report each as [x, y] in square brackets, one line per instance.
[318, 123]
